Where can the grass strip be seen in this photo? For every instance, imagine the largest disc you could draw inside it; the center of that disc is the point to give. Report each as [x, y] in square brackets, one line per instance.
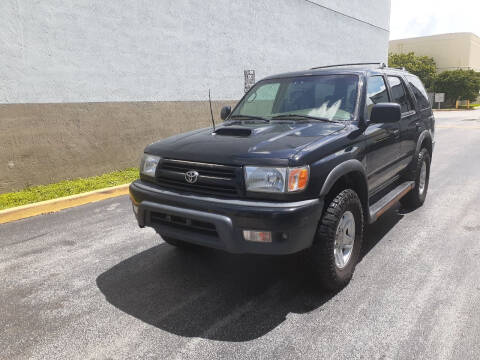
[67, 187]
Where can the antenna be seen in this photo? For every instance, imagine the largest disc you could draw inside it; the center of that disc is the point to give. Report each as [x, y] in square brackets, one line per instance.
[211, 112]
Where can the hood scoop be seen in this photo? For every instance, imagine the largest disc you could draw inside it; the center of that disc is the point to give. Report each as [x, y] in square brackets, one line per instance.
[233, 131]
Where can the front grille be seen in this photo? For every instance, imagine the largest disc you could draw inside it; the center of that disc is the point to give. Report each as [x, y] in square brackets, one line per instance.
[183, 223]
[213, 179]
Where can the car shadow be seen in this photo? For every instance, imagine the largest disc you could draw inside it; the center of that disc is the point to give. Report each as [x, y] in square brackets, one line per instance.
[215, 295]
[377, 231]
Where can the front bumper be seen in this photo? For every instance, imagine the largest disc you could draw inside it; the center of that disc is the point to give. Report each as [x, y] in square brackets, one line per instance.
[218, 223]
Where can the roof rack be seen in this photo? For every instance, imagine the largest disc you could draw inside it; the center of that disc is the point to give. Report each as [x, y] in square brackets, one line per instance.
[380, 65]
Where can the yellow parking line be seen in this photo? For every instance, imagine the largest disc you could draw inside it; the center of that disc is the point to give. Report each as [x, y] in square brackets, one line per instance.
[48, 206]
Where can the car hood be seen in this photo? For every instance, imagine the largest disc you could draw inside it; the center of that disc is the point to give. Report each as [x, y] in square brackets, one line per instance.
[244, 142]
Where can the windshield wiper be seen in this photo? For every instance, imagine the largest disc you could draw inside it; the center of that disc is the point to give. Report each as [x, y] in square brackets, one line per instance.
[249, 117]
[299, 116]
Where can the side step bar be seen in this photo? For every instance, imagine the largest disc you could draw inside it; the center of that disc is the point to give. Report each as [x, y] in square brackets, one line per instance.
[386, 202]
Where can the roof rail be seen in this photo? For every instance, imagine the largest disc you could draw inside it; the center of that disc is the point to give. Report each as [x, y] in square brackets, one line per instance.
[380, 65]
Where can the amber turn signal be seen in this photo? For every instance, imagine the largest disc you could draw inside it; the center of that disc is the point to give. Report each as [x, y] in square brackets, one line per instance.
[298, 178]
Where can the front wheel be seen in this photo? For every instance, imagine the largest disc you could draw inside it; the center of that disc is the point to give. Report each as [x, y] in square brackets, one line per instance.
[338, 241]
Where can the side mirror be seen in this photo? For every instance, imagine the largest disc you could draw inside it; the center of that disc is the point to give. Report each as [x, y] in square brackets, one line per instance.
[385, 113]
[226, 110]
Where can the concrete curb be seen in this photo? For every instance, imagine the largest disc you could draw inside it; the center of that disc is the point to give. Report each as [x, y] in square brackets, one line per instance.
[445, 110]
[48, 206]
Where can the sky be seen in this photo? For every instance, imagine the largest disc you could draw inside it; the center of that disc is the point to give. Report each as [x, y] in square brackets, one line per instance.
[410, 18]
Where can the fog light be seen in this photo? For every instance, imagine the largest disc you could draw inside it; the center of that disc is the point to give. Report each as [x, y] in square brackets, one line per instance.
[135, 209]
[257, 236]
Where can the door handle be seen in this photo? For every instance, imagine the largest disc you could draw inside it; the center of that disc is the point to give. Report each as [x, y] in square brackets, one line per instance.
[396, 133]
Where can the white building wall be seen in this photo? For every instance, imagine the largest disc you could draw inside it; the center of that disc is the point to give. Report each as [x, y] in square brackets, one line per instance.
[161, 50]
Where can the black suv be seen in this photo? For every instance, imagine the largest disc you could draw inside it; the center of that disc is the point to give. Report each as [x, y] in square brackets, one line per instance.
[303, 162]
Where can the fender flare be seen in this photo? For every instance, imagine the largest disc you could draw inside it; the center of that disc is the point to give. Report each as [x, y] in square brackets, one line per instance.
[423, 135]
[340, 170]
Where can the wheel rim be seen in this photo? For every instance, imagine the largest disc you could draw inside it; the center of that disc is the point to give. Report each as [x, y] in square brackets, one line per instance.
[423, 178]
[344, 240]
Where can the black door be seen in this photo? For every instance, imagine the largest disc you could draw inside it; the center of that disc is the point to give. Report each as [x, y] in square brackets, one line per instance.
[415, 124]
[409, 121]
[382, 140]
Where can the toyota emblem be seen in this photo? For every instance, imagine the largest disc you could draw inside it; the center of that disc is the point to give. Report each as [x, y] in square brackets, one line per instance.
[191, 176]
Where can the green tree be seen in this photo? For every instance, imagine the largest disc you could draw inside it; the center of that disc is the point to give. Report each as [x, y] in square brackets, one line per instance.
[422, 66]
[458, 84]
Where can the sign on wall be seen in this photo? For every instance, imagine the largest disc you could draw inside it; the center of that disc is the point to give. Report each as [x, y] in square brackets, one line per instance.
[249, 79]
[439, 97]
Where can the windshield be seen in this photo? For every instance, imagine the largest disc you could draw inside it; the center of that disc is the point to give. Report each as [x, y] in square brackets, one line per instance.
[331, 97]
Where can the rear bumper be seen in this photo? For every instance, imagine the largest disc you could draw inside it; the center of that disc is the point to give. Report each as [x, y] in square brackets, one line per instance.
[219, 223]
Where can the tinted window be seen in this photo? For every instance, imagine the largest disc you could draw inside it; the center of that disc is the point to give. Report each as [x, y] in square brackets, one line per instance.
[419, 92]
[261, 101]
[399, 94]
[376, 92]
[326, 96]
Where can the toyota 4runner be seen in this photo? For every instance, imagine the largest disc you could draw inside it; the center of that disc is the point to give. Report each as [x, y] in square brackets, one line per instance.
[302, 163]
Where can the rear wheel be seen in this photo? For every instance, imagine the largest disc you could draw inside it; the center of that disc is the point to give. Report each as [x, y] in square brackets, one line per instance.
[421, 175]
[338, 241]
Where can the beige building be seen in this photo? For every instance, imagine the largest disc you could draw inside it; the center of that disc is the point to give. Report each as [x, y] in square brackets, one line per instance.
[450, 51]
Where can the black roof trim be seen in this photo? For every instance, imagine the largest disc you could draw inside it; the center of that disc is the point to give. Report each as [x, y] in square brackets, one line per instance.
[363, 68]
[381, 65]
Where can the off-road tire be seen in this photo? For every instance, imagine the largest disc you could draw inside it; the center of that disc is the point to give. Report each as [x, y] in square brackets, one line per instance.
[321, 255]
[415, 198]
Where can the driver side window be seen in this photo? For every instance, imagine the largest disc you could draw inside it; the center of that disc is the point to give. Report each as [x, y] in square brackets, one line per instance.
[399, 93]
[376, 93]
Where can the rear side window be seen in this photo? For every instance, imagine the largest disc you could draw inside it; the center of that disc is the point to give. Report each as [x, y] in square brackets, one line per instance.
[399, 94]
[419, 92]
[376, 92]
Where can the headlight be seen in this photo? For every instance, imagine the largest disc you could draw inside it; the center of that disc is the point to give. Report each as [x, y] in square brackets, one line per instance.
[276, 179]
[148, 165]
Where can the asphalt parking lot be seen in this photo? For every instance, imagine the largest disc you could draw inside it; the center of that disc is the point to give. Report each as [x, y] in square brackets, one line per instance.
[87, 283]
